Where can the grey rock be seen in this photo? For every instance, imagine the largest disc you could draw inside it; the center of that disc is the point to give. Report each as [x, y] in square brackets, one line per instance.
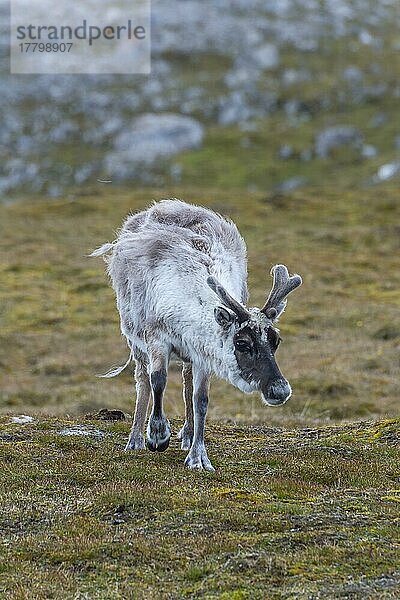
[306, 154]
[25, 145]
[375, 92]
[387, 171]
[54, 190]
[396, 91]
[193, 99]
[223, 28]
[104, 131]
[17, 173]
[240, 107]
[22, 419]
[151, 138]
[176, 171]
[368, 151]
[290, 185]
[242, 76]
[84, 173]
[42, 111]
[285, 152]
[334, 137]
[353, 74]
[266, 56]
[368, 39]
[379, 119]
[63, 131]
[294, 76]
[234, 109]
[82, 430]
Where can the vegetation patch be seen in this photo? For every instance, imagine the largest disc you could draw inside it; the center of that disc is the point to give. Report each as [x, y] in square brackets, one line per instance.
[288, 513]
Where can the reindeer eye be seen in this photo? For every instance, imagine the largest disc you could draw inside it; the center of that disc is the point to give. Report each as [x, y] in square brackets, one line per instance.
[243, 346]
[273, 338]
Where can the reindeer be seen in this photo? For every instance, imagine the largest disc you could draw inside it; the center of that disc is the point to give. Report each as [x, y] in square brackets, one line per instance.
[179, 272]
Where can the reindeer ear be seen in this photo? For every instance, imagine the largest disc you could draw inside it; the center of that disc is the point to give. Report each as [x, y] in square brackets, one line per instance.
[223, 317]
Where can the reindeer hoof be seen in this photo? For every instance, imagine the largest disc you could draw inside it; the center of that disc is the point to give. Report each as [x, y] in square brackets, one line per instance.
[135, 443]
[199, 462]
[151, 445]
[163, 446]
[157, 447]
[158, 435]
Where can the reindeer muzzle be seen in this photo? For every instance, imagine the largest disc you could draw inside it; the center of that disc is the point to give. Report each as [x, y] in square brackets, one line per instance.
[277, 392]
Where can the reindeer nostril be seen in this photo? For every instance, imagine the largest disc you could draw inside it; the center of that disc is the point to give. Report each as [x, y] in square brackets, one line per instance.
[278, 392]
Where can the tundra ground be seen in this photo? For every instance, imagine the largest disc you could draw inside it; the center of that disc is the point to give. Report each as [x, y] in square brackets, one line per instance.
[307, 513]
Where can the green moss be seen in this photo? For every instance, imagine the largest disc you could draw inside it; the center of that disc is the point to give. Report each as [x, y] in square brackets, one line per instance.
[81, 506]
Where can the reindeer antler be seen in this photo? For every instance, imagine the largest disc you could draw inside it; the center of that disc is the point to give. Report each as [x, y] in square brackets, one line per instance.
[283, 284]
[240, 311]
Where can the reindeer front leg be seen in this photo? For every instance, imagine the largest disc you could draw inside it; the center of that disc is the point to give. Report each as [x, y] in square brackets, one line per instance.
[158, 428]
[197, 457]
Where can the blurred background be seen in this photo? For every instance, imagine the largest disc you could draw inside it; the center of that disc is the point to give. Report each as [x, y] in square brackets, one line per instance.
[264, 94]
[282, 114]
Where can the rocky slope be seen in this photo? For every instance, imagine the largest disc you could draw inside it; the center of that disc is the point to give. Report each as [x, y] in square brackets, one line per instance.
[234, 66]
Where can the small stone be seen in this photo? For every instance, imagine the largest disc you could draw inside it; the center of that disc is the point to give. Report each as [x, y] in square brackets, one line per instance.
[306, 154]
[267, 57]
[334, 137]
[83, 173]
[234, 109]
[368, 151]
[289, 185]
[378, 120]
[22, 419]
[151, 138]
[294, 76]
[353, 74]
[176, 171]
[387, 171]
[81, 430]
[285, 152]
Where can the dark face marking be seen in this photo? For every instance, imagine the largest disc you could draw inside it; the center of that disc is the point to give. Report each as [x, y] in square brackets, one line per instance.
[273, 338]
[255, 355]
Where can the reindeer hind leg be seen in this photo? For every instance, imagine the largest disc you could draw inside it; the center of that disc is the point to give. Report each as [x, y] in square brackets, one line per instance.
[186, 433]
[136, 438]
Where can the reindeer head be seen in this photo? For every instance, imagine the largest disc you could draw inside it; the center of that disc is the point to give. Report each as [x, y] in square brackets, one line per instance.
[254, 338]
